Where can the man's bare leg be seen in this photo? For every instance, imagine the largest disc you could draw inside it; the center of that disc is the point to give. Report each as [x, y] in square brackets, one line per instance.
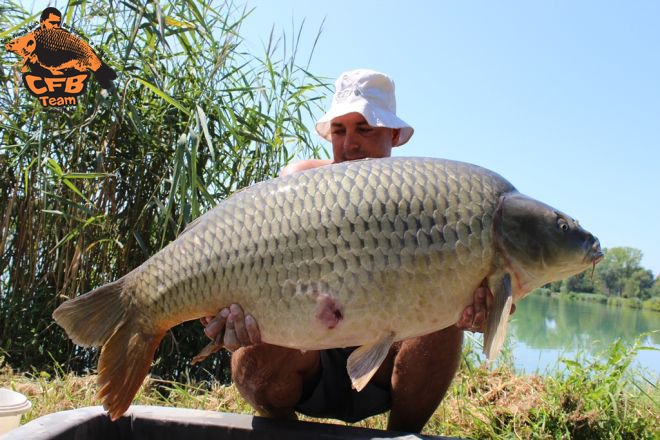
[421, 370]
[271, 378]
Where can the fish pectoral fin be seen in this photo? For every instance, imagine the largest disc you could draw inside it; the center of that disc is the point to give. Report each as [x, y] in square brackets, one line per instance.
[498, 316]
[364, 362]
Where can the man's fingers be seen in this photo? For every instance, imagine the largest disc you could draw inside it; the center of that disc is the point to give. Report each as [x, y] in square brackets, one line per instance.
[479, 300]
[232, 328]
[238, 318]
[252, 329]
[230, 342]
[474, 315]
[217, 324]
[481, 304]
[465, 320]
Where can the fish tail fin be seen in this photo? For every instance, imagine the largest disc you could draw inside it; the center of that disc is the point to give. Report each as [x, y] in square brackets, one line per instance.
[91, 319]
[124, 363]
[104, 75]
[103, 317]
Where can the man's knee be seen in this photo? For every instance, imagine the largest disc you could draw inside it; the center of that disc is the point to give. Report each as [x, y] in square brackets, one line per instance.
[254, 368]
[270, 377]
[245, 366]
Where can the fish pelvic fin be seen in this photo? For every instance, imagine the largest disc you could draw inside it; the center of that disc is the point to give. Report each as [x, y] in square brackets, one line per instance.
[364, 362]
[498, 316]
[125, 361]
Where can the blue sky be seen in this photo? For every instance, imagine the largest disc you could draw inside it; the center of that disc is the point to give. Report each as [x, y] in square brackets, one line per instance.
[561, 98]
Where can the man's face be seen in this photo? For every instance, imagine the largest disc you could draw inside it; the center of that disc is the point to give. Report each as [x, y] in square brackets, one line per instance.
[353, 138]
[52, 22]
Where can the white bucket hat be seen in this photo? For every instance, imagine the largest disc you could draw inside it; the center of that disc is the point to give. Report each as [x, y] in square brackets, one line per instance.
[369, 93]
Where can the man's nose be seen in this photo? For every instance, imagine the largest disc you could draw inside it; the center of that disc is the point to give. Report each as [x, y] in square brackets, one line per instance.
[350, 141]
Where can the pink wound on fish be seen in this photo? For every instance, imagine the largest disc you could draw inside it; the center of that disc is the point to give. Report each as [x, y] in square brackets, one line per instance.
[328, 310]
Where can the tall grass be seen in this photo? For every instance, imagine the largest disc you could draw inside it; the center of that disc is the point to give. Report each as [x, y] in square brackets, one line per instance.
[593, 397]
[88, 193]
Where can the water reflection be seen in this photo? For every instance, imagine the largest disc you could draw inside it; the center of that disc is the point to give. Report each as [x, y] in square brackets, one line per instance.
[544, 329]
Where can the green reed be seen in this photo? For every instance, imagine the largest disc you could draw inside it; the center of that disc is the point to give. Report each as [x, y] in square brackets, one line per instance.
[89, 193]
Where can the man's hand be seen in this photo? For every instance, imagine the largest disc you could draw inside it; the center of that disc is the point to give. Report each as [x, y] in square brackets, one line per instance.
[475, 315]
[232, 328]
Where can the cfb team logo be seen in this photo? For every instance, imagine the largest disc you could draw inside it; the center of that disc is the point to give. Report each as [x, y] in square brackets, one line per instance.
[58, 61]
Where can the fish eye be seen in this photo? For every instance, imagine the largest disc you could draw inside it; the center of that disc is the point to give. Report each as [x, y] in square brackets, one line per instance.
[563, 224]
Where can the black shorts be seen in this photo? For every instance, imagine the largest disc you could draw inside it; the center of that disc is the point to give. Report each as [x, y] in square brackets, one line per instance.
[331, 395]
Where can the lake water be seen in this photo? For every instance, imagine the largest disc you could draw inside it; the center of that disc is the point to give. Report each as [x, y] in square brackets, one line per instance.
[543, 330]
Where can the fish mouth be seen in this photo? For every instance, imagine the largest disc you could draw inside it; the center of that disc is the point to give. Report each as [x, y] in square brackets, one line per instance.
[595, 254]
[598, 257]
[595, 259]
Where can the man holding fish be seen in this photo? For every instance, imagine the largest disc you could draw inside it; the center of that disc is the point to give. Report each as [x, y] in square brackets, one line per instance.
[416, 373]
[372, 254]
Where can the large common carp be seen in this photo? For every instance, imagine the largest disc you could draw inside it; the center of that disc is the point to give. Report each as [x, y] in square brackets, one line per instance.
[361, 253]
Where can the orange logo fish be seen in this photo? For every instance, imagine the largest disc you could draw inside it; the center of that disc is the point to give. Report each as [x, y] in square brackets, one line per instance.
[58, 62]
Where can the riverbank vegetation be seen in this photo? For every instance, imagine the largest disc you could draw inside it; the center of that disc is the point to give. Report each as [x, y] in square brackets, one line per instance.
[598, 397]
[616, 301]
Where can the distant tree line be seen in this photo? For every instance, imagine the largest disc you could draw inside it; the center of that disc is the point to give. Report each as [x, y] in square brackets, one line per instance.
[620, 274]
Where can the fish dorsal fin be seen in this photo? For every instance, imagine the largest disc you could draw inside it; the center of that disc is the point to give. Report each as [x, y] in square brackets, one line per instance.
[364, 362]
[498, 316]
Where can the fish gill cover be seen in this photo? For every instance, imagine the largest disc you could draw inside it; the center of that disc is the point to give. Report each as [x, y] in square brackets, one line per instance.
[58, 62]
